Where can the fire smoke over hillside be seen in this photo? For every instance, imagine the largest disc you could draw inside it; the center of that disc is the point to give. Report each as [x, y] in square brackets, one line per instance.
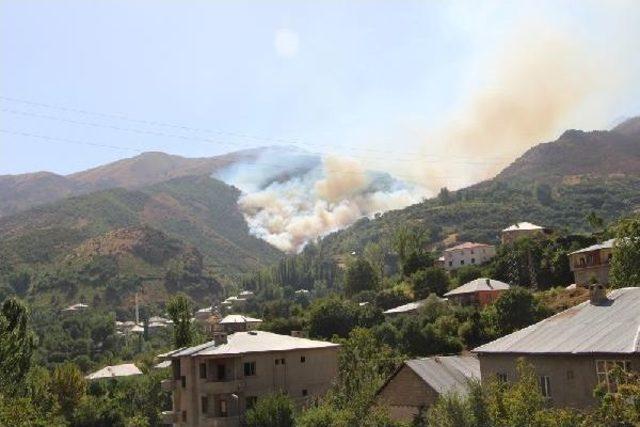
[291, 197]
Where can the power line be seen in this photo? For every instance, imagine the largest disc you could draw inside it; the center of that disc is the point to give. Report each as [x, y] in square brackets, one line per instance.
[407, 178]
[499, 160]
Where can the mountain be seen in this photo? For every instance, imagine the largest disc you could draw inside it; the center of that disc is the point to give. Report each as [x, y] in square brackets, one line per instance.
[20, 192]
[197, 210]
[556, 184]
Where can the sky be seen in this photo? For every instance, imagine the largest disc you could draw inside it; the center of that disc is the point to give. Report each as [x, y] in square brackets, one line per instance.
[434, 92]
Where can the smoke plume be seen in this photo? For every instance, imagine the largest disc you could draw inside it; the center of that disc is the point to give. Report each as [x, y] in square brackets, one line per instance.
[292, 197]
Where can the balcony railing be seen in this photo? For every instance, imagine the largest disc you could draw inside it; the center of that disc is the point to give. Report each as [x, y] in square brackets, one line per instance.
[221, 421]
[222, 387]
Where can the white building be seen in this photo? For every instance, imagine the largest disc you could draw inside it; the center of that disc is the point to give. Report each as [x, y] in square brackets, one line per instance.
[467, 253]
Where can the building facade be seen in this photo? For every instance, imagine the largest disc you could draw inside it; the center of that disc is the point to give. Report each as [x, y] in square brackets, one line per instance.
[215, 383]
[592, 264]
[467, 253]
[418, 383]
[478, 292]
[573, 351]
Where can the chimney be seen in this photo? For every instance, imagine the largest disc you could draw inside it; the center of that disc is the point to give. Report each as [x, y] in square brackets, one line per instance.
[489, 283]
[598, 294]
[219, 338]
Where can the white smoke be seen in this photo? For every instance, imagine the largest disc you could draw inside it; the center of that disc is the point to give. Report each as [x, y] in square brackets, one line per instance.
[291, 197]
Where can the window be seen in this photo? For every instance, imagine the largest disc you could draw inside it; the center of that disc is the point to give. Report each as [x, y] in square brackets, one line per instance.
[305, 392]
[280, 361]
[450, 263]
[183, 379]
[203, 371]
[545, 386]
[204, 404]
[221, 372]
[473, 260]
[569, 374]
[184, 416]
[471, 251]
[502, 377]
[606, 369]
[249, 369]
[303, 359]
[461, 262]
[223, 408]
[251, 401]
[175, 365]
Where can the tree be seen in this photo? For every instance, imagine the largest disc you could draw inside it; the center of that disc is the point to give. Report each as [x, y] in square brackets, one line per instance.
[359, 277]
[467, 273]
[68, 385]
[275, 410]
[544, 194]
[179, 309]
[416, 260]
[595, 222]
[431, 280]
[332, 316]
[374, 254]
[444, 196]
[625, 265]
[515, 309]
[17, 342]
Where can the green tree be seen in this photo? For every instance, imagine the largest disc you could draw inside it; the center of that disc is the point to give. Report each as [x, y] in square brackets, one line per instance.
[467, 273]
[374, 254]
[431, 280]
[595, 222]
[275, 410]
[69, 386]
[515, 309]
[17, 343]
[359, 277]
[179, 309]
[625, 265]
[332, 316]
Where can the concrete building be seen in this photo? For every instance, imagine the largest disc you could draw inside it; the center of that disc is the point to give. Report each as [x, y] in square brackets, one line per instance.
[575, 350]
[480, 292]
[468, 253]
[592, 264]
[239, 323]
[417, 383]
[521, 229]
[214, 384]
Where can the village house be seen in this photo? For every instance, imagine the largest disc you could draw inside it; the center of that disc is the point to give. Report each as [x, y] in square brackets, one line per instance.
[468, 253]
[479, 292]
[418, 383]
[215, 383]
[592, 264]
[521, 229]
[239, 323]
[575, 350]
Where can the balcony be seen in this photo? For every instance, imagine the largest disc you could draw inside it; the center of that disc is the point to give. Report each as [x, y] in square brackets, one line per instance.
[168, 385]
[223, 387]
[169, 417]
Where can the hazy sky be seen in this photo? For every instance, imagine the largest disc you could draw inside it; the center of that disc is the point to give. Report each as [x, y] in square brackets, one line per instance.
[375, 80]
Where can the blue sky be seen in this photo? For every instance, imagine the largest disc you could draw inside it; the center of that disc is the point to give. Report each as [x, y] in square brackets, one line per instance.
[368, 79]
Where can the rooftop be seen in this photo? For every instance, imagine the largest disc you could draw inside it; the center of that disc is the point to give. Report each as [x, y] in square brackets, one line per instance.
[446, 373]
[468, 245]
[238, 318]
[613, 327]
[482, 284]
[405, 308]
[604, 245]
[115, 371]
[249, 342]
[523, 226]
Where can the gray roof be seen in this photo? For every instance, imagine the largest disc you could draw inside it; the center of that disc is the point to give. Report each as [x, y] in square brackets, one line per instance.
[612, 327]
[406, 308]
[239, 318]
[604, 245]
[249, 342]
[522, 226]
[482, 284]
[124, 370]
[447, 373]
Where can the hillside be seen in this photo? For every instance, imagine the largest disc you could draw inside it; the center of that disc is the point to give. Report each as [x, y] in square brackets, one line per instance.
[554, 184]
[199, 211]
[21, 192]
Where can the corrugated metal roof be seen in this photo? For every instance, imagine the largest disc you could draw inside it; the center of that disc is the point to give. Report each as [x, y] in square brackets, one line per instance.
[249, 342]
[405, 308]
[447, 373]
[239, 318]
[612, 327]
[604, 245]
[523, 226]
[468, 245]
[477, 285]
[124, 370]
